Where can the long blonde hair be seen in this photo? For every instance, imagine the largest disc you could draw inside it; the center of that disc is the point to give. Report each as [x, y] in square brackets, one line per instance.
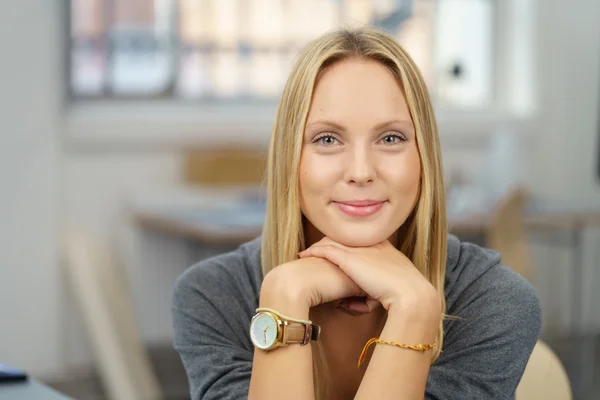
[422, 237]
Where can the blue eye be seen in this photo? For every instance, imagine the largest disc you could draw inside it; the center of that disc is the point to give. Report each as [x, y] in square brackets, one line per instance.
[326, 140]
[393, 139]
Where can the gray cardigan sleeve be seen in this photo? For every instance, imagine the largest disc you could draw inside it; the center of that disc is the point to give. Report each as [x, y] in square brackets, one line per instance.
[210, 318]
[486, 351]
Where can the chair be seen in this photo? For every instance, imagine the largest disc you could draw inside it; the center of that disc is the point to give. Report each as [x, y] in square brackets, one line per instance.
[501, 228]
[544, 377]
[506, 233]
[223, 167]
[107, 312]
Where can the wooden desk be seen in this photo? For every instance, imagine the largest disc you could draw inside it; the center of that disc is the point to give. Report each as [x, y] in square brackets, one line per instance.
[232, 225]
[563, 220]
[166, 223]
[174, 222]
[211, 234]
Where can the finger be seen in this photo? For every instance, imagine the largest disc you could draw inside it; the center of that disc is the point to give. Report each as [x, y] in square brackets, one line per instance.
[363, 305]
[353, 313]
[353, 308]
[328, 241]
[328, 282]
[306, 253]
[358, 306]
[332, 253]
[372, 304]
[324, 242]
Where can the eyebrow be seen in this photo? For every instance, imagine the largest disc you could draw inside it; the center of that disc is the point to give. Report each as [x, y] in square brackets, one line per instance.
[335, 125]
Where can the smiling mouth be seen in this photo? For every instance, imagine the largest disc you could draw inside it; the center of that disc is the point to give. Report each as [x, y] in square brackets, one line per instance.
[360, 208]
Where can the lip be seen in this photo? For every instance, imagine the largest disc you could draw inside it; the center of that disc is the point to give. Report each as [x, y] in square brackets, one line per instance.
[359, 208]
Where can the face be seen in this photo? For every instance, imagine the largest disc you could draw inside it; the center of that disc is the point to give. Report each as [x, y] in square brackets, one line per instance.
[360, 168]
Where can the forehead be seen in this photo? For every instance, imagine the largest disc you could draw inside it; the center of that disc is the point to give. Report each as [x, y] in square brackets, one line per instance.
[358, 89]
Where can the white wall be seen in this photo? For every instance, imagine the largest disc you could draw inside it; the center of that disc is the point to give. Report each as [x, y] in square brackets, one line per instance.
[569, 88]
[565, 146]
[97, 189]
[30, 96]
[48, 187]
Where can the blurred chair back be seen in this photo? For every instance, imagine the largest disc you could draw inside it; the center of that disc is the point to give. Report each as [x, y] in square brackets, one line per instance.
[507, 233]
[106, 307]
[544, 377]
[225, 167]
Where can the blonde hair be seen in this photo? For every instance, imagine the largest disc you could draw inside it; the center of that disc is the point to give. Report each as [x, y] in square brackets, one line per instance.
[423, 236]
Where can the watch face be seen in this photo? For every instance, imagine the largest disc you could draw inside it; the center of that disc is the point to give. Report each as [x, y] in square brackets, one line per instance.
[263, 330]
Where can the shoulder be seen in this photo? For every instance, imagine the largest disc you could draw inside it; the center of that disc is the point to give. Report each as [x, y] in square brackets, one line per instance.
[213, 303]
[477, 276]
[237, 270]
[220, 291]
[489, 298]
[494, 323]
[218, 294]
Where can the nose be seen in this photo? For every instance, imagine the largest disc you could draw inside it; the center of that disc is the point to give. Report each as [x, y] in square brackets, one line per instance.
[359, 166]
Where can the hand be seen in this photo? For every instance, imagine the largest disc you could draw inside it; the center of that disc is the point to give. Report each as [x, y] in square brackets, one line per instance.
[302, 284]
[385, 274]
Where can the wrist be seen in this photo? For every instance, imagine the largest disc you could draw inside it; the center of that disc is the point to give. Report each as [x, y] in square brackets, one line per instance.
[278, 294]
[410, 330]
[425, 311]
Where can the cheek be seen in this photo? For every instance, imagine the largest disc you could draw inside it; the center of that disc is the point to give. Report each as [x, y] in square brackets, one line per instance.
[317, 176]
[306, 182]
[406, 174]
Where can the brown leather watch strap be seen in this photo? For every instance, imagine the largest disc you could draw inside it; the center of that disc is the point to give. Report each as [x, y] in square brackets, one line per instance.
[294, 332]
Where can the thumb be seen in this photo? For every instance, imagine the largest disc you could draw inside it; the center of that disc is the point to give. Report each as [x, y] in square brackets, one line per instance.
[371, 304]
[362, 305]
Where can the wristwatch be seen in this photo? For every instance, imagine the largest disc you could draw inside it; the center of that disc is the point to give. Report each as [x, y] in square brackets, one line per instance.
[270, 329]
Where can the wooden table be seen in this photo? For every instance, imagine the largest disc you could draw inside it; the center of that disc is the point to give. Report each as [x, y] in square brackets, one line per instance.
[211, 225]
[167, 223]
[535, 221]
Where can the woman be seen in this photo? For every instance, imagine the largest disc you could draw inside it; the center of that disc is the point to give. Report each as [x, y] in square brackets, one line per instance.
[354, 245]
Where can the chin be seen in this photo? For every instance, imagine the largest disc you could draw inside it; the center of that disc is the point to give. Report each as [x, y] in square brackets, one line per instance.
[355, 237]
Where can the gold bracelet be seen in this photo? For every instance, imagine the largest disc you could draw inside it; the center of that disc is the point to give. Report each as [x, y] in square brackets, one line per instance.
[419, 347]
[302, 321]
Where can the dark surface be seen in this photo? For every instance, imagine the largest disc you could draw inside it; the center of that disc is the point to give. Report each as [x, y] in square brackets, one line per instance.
[580, 355]
[167, 367]
[28, 390]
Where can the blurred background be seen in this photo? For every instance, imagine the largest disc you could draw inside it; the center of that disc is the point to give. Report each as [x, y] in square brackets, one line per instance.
[133, 135]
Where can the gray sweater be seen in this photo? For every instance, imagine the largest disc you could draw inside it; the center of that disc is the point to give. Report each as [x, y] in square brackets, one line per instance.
[484, 354]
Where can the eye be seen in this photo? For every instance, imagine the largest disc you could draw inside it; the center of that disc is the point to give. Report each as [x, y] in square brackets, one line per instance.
[326, 139]
[392, 139]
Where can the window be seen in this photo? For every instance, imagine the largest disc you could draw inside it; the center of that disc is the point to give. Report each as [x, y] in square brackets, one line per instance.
[463, 53]
[242, 50]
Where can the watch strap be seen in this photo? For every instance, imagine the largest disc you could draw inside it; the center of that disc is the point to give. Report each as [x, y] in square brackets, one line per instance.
[294, 332]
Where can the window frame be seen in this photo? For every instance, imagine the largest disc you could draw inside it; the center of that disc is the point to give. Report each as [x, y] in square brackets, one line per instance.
[178, 123]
